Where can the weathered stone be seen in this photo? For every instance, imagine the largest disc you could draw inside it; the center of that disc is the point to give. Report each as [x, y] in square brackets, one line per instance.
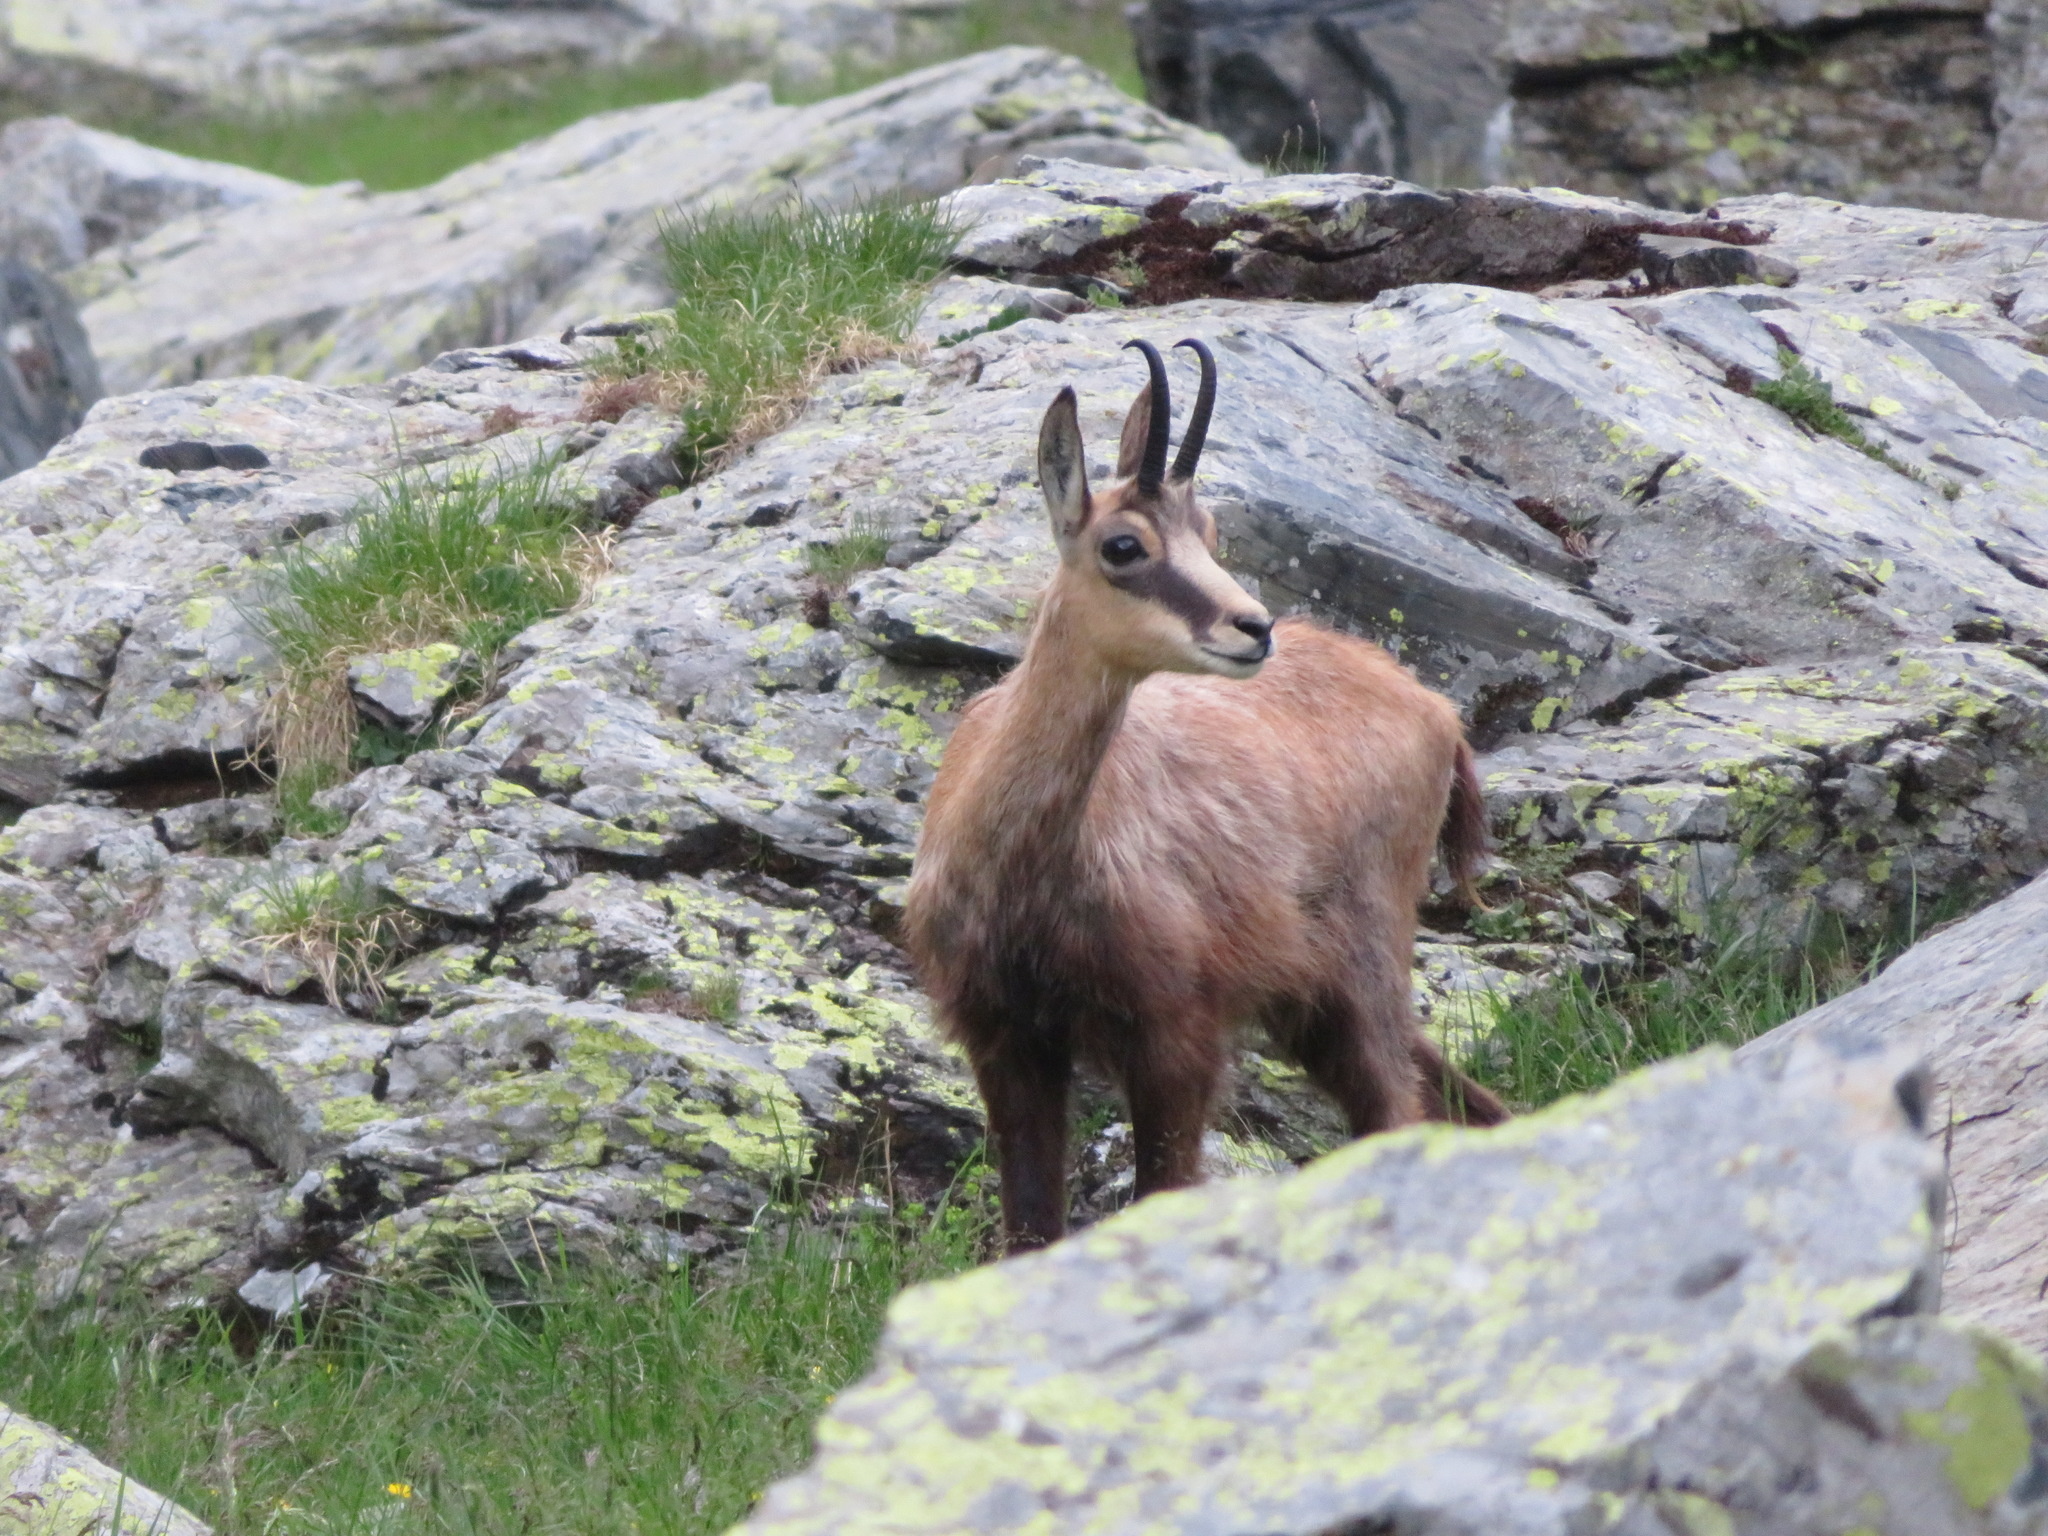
[50, 838]
[403, 689]
[1971, 1000]
[1557, 34]
[53, 1484]
[1694, 1302]
[1178, 233]
[1889, 110]
[241, 56]
[557, 231]
[281, 1292]
[48, 377]
[67, 192]
[1410, 91]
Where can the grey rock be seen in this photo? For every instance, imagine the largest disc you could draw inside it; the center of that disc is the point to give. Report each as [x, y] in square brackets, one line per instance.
[1410, 91]
[1685, 261]
[243, 56]
[1683, 105]
[1331, 237]
[403, 689]
[50, 838]
[550, 234]
[231, 823]
[281, 1292]
[1969, 999]
[1703, 1292]
[57, 1484]
[474, 875]
[48, 378]
[68, 192]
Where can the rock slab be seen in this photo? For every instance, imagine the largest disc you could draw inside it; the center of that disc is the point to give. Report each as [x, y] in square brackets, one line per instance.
[1973, 1001]
[1696, 1302]
[49, 1484]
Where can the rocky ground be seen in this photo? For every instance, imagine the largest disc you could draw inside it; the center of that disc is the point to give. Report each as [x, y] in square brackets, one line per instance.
[1718, 661]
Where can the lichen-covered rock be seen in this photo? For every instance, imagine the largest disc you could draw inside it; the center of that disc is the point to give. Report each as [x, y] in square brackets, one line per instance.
[1971, 1000]
[1695, 1302]
[67, 192]
[1714, 659]
[403, 689]
[340, 286]
[53, 1484]
[243, 56]
[1412, 91]
[48, 377]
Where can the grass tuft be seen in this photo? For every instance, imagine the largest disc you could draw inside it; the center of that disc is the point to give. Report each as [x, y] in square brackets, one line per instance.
[770, 301]
[471, 558]
[1801, 393]
[342, 928]
[865, 547]
[592, 1399]
[1578, 1035]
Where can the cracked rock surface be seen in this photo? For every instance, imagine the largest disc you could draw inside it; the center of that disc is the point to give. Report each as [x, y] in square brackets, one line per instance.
[1699, 1301]
[648, 884]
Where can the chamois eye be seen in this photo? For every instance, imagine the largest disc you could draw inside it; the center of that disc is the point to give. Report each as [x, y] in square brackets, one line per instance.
[1123, 549]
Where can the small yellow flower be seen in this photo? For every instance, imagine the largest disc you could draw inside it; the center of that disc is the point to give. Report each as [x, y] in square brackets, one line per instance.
[399, 1490]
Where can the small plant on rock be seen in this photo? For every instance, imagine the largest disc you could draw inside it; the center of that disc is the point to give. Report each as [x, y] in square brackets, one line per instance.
[1801, 393]
[340, 927]
[469, 558]
[772, 300]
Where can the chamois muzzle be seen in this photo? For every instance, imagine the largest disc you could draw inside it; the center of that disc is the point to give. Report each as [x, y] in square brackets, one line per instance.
[1152, 468]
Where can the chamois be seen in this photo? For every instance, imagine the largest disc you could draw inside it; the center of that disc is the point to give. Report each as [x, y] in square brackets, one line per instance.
[1175, 817]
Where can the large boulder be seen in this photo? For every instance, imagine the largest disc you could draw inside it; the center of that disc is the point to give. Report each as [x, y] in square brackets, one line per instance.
[1697, 1302]
[1972, 1002]
[54, 1484]
[341, 286]
[68, 192]
[1407, 90]
[1862, 100]
[48, 377]
[647, 886]
[244, 56]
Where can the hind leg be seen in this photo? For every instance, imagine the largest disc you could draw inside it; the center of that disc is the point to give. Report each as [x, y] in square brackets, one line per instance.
[1170, 1080]
[1355, 1040]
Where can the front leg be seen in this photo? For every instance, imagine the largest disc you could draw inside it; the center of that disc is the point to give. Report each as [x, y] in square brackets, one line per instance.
[1024, 1082]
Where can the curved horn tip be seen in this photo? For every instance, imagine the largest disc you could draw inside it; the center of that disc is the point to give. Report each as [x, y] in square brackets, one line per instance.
[1152, 469]
[1198, 419]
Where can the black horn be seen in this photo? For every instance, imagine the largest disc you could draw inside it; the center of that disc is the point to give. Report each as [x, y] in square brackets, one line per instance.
[1152, 470]
[1198, 424]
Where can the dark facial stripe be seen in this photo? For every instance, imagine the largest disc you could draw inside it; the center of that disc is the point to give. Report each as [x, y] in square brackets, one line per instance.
[1161, 582]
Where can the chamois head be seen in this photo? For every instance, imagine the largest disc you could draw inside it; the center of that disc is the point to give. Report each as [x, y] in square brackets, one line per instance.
[1138, 571]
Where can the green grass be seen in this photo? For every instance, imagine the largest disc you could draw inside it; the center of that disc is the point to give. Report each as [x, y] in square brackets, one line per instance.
[423, 137]
[593, 1401]
[470, 558]
[339, 926]
[1577, 1036]
[865, 547]
[772, 298]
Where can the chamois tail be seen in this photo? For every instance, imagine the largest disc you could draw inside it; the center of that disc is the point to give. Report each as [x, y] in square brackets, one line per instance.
[1448, 1094]
[1462, 840]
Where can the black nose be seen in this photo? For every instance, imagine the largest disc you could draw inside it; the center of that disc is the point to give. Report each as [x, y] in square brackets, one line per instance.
[1258, 629]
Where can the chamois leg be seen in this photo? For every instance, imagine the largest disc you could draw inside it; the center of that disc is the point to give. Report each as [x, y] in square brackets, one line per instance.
[1447, 1093]
[1170, 1081]
[1355, 1044]
[1024, 1086]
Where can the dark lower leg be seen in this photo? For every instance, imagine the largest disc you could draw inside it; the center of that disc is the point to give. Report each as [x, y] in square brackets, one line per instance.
[1024, 1087]
[1363, 1064]
[1170, 1099]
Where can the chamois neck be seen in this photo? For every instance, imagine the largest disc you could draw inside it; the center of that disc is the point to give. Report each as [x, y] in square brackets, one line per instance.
[1064, 710]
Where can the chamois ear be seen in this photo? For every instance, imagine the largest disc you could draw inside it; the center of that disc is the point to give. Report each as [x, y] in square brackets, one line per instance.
[1062, 472]
[1130, 448]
